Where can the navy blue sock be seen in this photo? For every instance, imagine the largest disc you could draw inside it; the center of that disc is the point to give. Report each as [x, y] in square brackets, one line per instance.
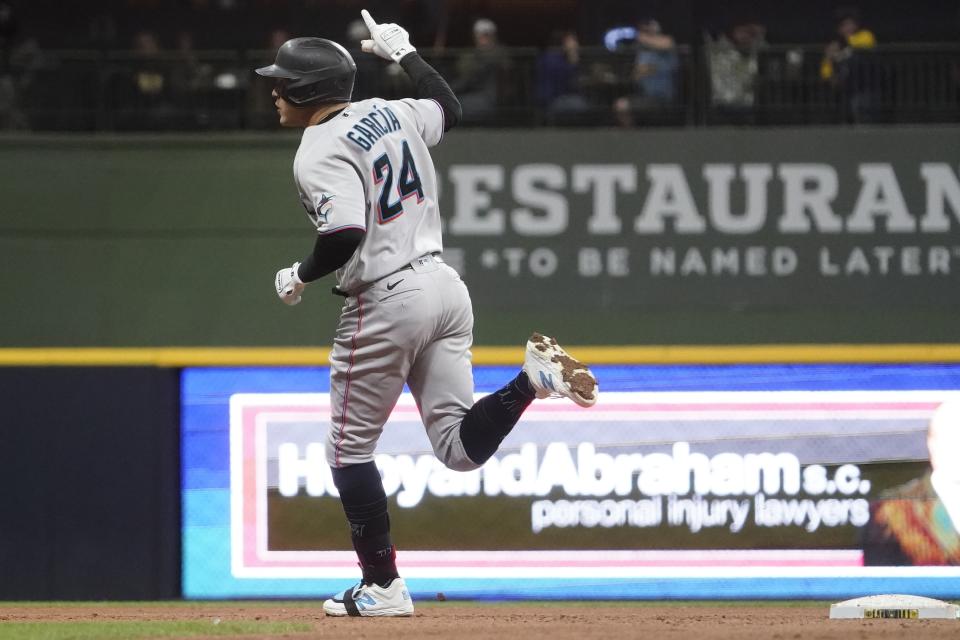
[492, 417]
[365, 505]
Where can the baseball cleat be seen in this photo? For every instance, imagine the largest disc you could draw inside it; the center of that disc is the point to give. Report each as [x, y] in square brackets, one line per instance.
[371, 600]
[554, 374]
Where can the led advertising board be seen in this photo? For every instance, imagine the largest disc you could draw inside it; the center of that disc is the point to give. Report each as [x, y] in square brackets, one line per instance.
[760, 481]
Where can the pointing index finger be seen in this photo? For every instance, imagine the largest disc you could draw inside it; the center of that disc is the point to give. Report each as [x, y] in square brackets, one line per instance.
[368, 19]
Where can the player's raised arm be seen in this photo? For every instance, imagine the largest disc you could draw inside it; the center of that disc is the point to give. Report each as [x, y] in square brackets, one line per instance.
[392, 42]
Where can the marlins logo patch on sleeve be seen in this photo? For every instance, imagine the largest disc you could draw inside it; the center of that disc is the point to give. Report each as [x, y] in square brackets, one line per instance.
[322, 210]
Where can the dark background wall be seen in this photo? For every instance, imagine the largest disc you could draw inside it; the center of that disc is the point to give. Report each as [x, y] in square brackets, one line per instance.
[89, 465]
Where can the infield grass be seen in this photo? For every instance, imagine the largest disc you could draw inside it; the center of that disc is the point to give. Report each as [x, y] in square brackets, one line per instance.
[143, 629]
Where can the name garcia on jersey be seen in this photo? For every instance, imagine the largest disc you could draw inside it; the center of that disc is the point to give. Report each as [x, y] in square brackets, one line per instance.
[373, 126]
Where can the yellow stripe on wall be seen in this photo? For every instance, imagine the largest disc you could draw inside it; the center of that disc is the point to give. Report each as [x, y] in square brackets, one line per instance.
[313, 356]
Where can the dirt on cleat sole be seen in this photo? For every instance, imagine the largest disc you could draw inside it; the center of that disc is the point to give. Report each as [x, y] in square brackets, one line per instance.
[575, 373]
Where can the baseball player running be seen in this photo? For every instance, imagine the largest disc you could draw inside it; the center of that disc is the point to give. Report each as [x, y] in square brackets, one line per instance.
[368, 184]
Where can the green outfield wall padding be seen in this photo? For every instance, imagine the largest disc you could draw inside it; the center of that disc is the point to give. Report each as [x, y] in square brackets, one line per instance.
[719, 236]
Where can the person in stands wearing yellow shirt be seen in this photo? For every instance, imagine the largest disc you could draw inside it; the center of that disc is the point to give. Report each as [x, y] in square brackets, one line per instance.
[851, 36]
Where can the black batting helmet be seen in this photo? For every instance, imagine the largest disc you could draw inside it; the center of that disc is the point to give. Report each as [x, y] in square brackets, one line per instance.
[312, 70]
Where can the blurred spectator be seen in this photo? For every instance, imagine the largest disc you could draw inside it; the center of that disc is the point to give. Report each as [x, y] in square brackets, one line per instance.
[480, 71]
[275, 40]
[656, 65]
[654, 73]
[204, 93]
[558, 91]
[850, 37]
[188, 74]
[733, 63]
[102, 31]
[19, 59]
[142, 97]
[9, 27]
[148, 77]
[10, 115]
[261, 111]
[849, 65]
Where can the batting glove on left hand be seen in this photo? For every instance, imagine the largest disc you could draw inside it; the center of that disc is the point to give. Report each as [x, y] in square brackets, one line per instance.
[289, 285]
[389, 41]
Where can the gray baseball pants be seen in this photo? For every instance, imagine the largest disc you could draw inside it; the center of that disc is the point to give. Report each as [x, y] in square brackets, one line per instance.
[414, 326]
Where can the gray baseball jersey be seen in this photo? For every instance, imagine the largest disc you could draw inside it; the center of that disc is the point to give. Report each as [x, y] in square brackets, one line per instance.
[370, 168]
[408, 318]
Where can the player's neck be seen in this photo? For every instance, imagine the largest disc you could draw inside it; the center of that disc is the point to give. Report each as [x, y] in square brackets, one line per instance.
[323, 113]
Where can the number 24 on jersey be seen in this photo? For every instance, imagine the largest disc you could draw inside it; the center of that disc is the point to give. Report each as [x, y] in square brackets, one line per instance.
[408, 184]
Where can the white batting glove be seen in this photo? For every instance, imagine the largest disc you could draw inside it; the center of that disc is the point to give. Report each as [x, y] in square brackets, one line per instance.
[289, 285]
[389, 41]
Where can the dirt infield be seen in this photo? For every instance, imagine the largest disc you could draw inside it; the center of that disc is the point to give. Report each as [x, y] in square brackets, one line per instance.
[520, 621]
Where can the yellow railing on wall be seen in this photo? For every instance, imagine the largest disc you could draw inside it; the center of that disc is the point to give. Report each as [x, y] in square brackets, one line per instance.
[610, 354]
